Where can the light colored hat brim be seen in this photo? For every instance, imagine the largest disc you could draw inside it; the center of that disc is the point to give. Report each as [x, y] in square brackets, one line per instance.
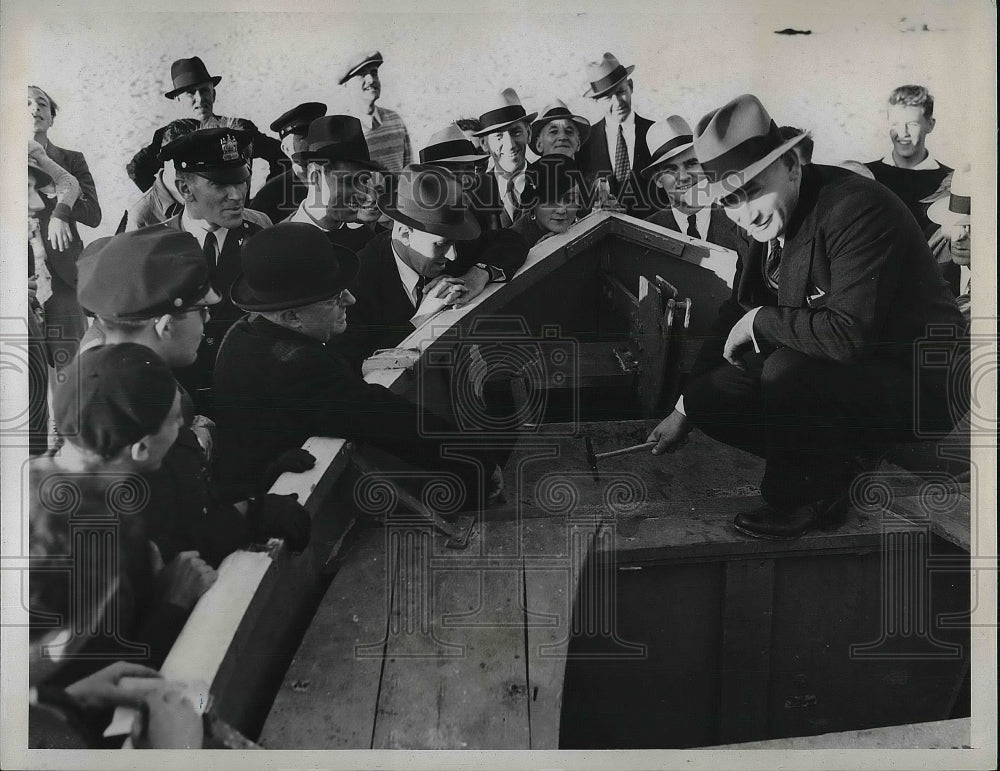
[738, 179]
[665, 157]
[940, 213]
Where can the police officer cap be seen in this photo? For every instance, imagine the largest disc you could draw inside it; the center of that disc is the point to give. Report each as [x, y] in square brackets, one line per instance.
[297, 119]
[219, 154]
[143, 274]
[111, 396]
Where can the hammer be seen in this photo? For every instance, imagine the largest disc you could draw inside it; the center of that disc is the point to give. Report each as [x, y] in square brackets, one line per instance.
[593, 457]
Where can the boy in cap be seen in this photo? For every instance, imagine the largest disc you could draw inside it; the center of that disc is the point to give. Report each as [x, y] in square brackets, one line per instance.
[281, 195]
[617, 146]
[385, 131]
[278, 381]
[342, 180]
[812, 364]
[119, 411]
[162, 201]
[194, 89]
[164, 304]
[211, 175]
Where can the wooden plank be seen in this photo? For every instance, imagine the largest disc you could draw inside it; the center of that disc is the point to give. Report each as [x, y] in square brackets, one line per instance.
[748, 608]
[455, 673]
[555, 551]
[950, 517]
[329, 694]
[936, 735]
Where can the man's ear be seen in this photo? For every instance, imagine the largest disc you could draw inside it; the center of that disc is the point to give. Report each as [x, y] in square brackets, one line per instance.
[139, 451]
[401, 233]
[630, 86]
[930, 125]
[290, 317]
[183, 186]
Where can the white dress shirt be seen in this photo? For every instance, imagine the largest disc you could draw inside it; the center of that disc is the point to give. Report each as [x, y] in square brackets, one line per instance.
[201, 228]
[409, 277]
[370, 121]
[628, 131]
[519, 183]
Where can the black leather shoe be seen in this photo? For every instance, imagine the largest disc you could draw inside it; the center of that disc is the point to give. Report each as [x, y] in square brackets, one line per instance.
[787, 524]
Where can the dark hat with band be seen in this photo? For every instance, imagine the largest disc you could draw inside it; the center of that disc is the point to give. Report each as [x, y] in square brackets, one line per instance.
[218, 154]
[450, 145]
[955, 208]
[143, 274]
[737, 142]
[289, 265]
[430, 198]
[297, 119]
[605, 75]
[111, 396]
[187, 73]
[337, 138]
[507, 112]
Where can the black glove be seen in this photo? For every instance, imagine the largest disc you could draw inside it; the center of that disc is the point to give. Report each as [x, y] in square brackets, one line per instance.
[280, 516]
[296, 461]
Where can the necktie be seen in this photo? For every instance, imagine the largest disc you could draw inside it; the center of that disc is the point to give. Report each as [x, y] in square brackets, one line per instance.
[693, 226]
[621, 157]
[509, 205]
[418, 291]
[208, 249]
[772, 265]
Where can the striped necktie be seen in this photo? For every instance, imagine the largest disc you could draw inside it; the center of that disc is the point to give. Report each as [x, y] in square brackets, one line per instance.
[772, 265]
[622, 167]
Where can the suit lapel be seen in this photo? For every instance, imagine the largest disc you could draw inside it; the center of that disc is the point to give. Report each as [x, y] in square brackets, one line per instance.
[796, 257]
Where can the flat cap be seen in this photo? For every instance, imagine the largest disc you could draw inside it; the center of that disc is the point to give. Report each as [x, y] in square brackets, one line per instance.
[111, 396]
[357, 62]
[297, 119]
[219, 154]
[142, 274]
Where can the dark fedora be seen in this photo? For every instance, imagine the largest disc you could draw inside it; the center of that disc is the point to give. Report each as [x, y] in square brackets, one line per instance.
[297, 119]
[337, 138]
[289, 265]
[449, 145]
[555, 111]
[667, 138]
[186, 73]
[549, 179]
[507, 112]
[605, 75]
[737, 142]
[430, 198]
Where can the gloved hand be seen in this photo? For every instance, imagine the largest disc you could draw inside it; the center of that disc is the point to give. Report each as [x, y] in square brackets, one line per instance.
[280, 516]
[296, 461]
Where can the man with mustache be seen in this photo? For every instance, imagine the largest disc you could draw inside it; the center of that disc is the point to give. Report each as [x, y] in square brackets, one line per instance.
[617, 145]
[385, 132]
[343, 182]
[194, 90]
[211, 168]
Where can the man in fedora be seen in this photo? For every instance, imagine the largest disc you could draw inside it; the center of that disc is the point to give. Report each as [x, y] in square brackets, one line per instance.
[151, 287]
[450, 148]
[385, 131]
[952, 212]
[617, 145]
[342, 181]
[278, 381]
[557, 131]
[505, 130]
[281, 195]
[194, 89]
[211, 172]
[431, 226]
[815, 361]
[674, 171]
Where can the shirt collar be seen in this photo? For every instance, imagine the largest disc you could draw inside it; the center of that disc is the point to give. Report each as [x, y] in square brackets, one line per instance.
[368, 120]
[927, 164]
[519, 177]
[200, 228]
[301, 215]
[702, 218]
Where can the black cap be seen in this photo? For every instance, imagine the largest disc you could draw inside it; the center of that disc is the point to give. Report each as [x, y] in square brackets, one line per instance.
[337, 138]
[219, 154]
[142, 274]
[297, 119]
[111, 396]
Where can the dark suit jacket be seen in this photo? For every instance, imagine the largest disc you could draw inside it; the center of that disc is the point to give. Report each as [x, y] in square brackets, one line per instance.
[857, 278]
[722, 231]
[280, 196]
[594, 161]
[381, 316]
[86, 210]
[274, 388]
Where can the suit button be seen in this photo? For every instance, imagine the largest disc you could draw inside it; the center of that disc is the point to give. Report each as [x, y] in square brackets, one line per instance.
[209, 341]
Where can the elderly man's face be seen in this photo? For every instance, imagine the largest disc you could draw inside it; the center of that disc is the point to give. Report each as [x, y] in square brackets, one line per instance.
[908, 130]
[216, 203]
[199, 100]
[507, 147]
[678, 175]
[365, 87]
[617, 105]
[764, 206]
[324, 319]
[560, 136]
[39, 112]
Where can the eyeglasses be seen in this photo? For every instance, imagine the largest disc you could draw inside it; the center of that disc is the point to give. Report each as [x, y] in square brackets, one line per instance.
[204, 310]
